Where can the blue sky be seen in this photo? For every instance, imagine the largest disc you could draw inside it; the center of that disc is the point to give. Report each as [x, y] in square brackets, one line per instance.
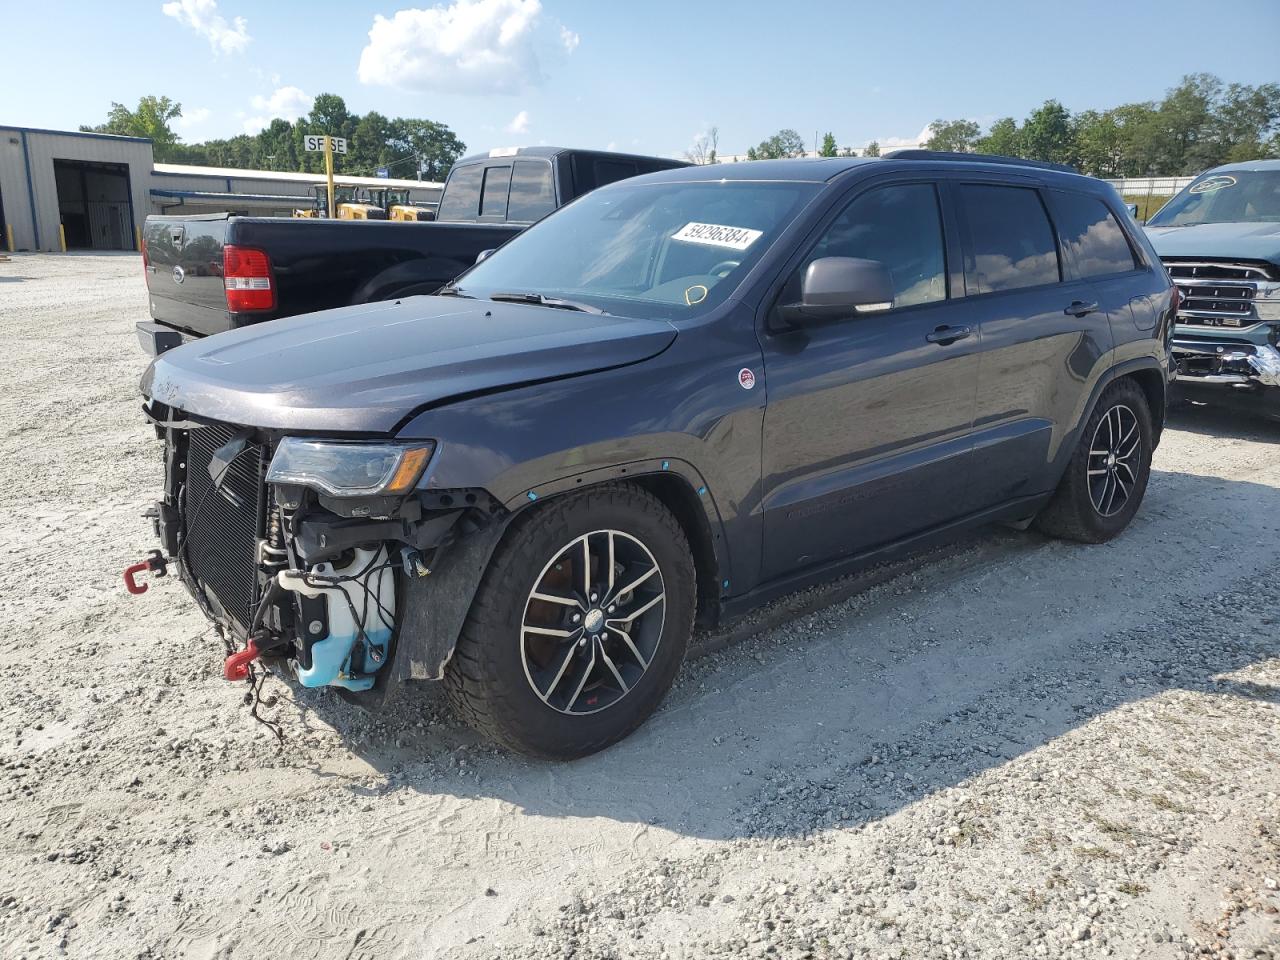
[644, 76]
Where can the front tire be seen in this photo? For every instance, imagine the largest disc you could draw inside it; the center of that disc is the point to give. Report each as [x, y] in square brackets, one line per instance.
[1106, 479]
[579, 625]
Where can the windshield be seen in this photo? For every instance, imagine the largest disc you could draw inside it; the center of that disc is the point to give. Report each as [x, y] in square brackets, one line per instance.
[1242, 196]
[662, 250]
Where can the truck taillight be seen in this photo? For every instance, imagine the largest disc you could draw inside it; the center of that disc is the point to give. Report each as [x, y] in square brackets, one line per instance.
[146, 262]
[246, 273]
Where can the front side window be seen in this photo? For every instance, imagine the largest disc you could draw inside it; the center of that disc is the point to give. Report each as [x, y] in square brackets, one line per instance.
[1094, 242]
[665, 250]
[461, 198]
[532, 193]
[900, 226]
[1011, 244]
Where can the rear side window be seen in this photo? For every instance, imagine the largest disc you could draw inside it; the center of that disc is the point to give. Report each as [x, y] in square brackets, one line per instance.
[1094, 242]
[1011, 244]
[532, 195]
[900, 226]
[497, 183]
[461, 197]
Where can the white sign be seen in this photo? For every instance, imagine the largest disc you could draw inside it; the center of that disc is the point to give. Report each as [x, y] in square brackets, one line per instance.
[715, 235]
[314, 143]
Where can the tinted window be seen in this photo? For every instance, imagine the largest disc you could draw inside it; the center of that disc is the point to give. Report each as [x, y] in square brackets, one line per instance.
[611, 171]
[532, 195]
[1011, 244]
[899, 226]
[461, 196]
[497, 182]
[1094, 242]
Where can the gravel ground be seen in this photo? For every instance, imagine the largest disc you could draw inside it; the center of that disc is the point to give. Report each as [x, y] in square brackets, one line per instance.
[1012, 747]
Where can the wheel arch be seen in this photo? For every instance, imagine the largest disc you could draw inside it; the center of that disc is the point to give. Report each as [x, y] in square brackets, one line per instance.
[681, 488]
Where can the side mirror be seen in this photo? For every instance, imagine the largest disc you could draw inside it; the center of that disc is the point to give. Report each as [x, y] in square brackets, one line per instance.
[836, 288]
[1133, 210]
[484, 255]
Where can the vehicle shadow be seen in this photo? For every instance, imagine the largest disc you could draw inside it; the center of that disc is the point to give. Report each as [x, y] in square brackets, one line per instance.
[959, 663]
[1239, 418]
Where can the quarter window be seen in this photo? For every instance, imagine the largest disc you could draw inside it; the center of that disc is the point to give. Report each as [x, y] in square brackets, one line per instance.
[532, 195]
[1011, 244]
[900, 226]
[1093, 240]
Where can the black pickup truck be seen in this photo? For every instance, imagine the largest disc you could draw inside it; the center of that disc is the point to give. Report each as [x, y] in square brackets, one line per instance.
[206, 274]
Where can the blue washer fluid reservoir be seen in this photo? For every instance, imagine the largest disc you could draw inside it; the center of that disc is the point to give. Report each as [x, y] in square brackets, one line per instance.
[363, 588]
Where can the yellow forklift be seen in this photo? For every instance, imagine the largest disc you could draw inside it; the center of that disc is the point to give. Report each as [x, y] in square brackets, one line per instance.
[353, 203]
[398, 206]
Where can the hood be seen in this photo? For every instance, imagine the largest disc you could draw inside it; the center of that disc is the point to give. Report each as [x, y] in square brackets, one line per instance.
[364, 369]
[1231, 241]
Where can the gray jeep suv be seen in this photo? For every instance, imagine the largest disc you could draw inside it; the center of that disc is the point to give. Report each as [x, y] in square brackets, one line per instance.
[669, 401]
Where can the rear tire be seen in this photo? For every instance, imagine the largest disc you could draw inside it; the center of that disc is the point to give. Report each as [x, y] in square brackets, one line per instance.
[558, 659]
[1106, 479]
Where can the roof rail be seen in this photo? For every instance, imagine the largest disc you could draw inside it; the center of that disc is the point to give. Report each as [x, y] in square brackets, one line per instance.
[977, 158]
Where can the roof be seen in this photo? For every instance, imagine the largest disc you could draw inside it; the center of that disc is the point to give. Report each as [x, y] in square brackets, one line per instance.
[77, 133]
[190, 170]
[823, 169]
[548, 152]
[807, 169]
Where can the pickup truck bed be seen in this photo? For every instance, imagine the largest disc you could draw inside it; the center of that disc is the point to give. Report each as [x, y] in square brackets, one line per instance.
[312, 264]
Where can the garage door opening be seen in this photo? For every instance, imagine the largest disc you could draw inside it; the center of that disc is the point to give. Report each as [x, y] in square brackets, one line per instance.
[95, 204]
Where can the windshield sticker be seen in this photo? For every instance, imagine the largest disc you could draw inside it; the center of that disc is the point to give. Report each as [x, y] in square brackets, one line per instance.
[715, 235]
[696, 294]
[1210, 184]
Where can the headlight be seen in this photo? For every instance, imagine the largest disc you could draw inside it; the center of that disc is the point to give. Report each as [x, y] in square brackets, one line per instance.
[350, 469]
[1267, 301]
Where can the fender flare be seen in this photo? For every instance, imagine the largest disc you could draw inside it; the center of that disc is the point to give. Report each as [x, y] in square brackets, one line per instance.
[1110, 376]
[698, 490]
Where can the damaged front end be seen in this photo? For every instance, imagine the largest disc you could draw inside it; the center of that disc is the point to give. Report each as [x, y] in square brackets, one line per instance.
[320, 555]
[1235, 364]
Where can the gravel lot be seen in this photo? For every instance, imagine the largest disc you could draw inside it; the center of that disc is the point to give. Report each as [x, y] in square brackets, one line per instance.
[1012, 747]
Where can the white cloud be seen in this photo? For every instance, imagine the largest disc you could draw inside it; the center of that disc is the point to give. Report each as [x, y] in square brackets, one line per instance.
[203, 17]
[192, 117]
[569, 40]
[519, 123]
[288, 103]
[470, 46]
[893, 143]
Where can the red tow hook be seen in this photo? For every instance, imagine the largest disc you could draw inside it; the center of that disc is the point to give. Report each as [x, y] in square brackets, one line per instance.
[236, 666]
[155, 563]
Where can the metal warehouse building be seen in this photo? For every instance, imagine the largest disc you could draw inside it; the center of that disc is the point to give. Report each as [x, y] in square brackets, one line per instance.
[99, 188]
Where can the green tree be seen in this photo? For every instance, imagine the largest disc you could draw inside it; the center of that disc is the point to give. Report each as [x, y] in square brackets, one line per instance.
[370, 146]
[828, 148]
[784, 143]
[953, 136]
[434, 144]
[872, 149]
[1047, 134]
[151, 120]
[1003, 139]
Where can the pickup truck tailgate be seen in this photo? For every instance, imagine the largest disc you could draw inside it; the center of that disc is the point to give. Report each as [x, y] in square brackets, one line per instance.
[184, 272]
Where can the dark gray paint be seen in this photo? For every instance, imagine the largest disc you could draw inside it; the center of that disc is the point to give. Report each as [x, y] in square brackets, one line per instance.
[857, 434]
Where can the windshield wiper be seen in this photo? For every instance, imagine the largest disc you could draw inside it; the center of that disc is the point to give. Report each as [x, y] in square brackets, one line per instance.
[539, 300]
[449, 290]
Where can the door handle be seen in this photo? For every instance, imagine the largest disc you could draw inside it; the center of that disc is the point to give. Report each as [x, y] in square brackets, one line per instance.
[1081, 308]
[945, 335]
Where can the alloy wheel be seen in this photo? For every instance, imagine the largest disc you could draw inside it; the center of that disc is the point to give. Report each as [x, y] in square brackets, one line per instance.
[592, 622]
[1115, 455]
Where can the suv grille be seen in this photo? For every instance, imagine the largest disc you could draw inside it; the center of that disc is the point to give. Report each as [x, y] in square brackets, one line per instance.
[1216, 293]
[221, 526]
